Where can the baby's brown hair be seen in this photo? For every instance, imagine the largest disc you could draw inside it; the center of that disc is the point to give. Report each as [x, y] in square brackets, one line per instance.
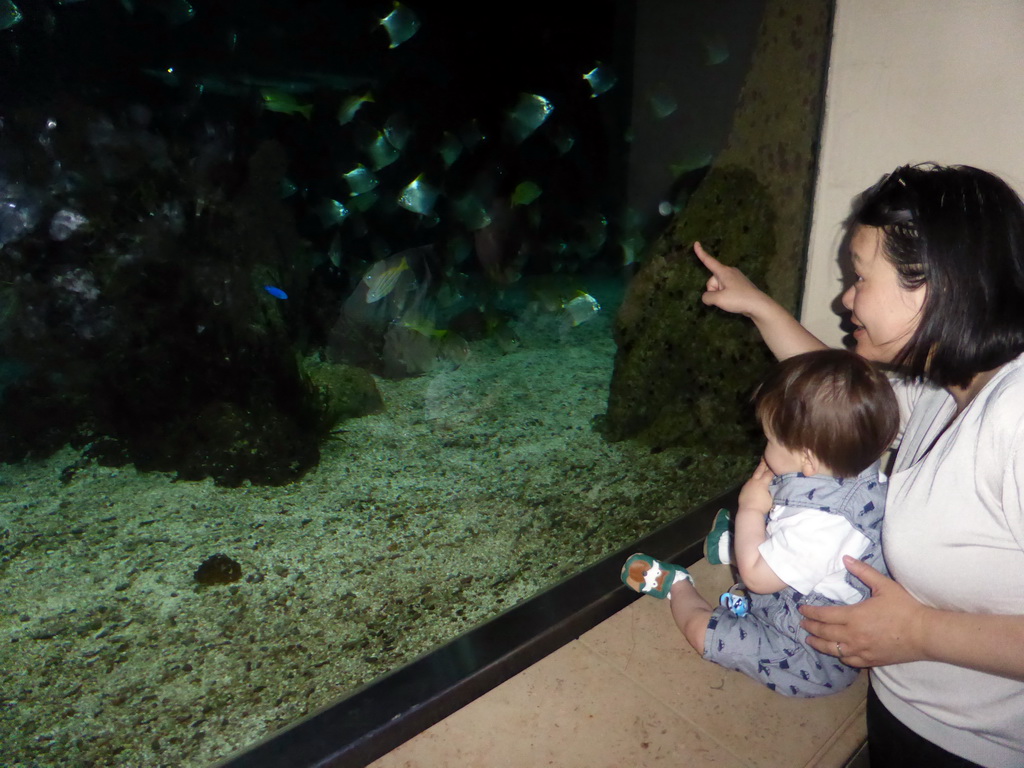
[832, 403]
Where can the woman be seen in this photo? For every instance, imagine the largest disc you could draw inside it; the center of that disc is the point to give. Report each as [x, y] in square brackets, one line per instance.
[938, 254]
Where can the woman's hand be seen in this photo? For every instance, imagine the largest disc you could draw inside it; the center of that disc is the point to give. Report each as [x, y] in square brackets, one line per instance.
[884, 629]
[728, 288]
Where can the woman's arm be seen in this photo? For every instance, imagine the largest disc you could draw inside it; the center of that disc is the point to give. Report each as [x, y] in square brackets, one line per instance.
[891, 627]
[729, 289]
[751, 531]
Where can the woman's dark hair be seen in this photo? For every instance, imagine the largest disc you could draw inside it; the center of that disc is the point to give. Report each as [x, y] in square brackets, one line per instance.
[960, 232]
[832, 403]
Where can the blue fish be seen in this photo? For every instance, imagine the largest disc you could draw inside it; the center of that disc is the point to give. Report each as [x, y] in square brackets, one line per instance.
[276, 292]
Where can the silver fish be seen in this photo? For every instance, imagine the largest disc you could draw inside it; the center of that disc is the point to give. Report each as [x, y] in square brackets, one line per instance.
[418, 197]
[528, 115]
[581, 308]
[9, 14]
[601, 79]
[401, 24]
[360, 180]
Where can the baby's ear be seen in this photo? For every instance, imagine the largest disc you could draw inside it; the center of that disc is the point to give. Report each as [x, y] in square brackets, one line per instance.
[811, 464]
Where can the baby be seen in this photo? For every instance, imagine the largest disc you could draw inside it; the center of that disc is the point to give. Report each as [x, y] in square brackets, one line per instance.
[816, 496]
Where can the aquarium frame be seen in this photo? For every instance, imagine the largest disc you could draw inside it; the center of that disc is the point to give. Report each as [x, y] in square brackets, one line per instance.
[394, 708]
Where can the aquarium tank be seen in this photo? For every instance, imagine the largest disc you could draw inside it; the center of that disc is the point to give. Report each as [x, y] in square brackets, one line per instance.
[330, 330]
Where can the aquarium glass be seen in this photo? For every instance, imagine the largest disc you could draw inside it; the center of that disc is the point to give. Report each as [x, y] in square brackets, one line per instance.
[306, 333]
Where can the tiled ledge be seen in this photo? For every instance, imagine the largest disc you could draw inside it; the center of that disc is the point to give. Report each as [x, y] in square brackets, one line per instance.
[631, 692]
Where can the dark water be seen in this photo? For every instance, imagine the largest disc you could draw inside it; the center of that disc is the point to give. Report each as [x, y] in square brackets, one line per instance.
[228, 228]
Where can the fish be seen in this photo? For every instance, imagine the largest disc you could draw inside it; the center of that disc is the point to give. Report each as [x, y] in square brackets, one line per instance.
[363, 202]
[334, 251]
[716, 50]
[595, 234]
[693, 161]
[632, 246]
[332, 212]
[562, 139]
[401, 24]
[382, 278]
[450, 149]
[360, 180]
[176, 11]
[283, 102]
[528, 115]
[414, 346]
[471, 212]
[525, 193]
[662, 102]
[287, 188]
[397, 131]
[381, 152]
[167, 75]
[458, 249]
[241, 82]
[351, 105]
[506, 338]
[65, 222]
[418, 197]
[471, 134]
[422, 325]
[581, 309]
[601, 80]
[276, 292]
[9, 14]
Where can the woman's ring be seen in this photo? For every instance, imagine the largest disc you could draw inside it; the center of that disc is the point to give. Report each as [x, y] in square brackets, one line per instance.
[839, 649]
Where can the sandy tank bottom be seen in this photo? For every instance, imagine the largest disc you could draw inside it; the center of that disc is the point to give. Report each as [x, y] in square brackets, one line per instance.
[474, 490]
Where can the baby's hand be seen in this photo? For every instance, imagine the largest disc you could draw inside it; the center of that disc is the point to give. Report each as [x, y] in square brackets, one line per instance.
[728, 288]
[756, 495]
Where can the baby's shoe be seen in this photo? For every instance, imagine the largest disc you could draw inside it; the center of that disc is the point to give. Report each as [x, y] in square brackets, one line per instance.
[642, 573]
[718, 544]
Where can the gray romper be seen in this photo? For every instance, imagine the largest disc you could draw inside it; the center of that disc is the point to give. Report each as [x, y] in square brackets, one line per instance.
[768, 644]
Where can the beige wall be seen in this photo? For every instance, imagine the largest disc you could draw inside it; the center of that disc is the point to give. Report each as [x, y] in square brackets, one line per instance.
[911, 81]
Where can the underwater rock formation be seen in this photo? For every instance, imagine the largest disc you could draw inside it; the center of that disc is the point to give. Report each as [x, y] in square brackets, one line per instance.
[140, 316]
[684, 372]
[347, 392]
[217, 569]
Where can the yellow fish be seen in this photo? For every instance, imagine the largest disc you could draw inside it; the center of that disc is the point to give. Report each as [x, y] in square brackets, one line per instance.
[351, 105]
[423, 326]
[279, 101]
[382, 279]
[525, 193]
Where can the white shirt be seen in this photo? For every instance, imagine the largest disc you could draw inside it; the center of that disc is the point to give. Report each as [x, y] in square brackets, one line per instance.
[805, 549]
[953, 536]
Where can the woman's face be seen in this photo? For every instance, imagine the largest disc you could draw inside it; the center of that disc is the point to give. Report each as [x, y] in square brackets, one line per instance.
[885, 313]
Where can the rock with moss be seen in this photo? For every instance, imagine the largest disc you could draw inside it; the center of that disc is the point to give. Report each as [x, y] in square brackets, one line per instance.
[684, 373]
[345, 391]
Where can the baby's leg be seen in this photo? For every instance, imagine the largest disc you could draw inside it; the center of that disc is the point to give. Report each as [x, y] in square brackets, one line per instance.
[643, 573]
[691, 613]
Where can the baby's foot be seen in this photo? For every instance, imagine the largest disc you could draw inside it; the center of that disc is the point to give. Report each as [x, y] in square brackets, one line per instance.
[718, 544]
[642, 573]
